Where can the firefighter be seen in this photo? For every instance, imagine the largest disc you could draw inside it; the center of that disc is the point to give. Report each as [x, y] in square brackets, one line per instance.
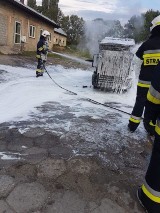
[42, 51]
[149, 193]
[149, 52]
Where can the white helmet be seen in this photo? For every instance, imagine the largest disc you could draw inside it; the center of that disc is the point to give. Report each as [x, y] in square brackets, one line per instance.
[155, 22]
[45, 33]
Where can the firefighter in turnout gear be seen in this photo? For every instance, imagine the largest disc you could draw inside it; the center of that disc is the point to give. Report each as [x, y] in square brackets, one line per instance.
[149, 52]
[149, 193]
[42, 51]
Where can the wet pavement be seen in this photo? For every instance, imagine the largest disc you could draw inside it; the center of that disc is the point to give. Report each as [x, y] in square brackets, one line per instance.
[90, 168]
[58, 162]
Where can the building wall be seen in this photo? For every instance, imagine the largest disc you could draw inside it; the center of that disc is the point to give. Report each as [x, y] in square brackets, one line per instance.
[59, 40]
[9, 14]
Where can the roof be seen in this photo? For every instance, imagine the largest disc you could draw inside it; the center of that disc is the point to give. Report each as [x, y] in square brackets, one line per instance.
[60, 31]
[121, 41]
[33, 12]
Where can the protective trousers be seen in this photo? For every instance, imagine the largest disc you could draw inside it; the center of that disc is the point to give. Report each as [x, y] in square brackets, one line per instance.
[137, 112]
[40, 67]
[150, 190]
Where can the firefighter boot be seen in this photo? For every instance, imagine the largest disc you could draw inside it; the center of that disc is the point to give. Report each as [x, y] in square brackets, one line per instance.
[132, 126]
[38, 74]
[149, 205]
[149, 127]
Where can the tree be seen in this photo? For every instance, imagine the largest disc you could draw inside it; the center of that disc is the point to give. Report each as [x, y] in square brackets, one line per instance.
[138, 27]
[74, 27]
[32, 4]
[134, 28]
[50, 9]
[148, 17]
[116, 30]
[60, 17]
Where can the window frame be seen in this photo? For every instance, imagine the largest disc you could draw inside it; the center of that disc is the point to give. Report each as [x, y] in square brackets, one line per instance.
[32, 27]
[41, 31]
[50, 38]
[15, 33]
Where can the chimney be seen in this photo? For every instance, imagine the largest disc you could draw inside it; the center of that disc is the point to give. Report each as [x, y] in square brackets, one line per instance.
[22, 1]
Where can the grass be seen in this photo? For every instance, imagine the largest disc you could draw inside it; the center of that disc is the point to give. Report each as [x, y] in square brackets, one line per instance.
[70, 50]
[29, 53]
[74, 51]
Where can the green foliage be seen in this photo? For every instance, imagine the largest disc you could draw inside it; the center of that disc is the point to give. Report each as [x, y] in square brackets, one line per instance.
[116, 30]
[50, 9]
[74, 27]
[133, 29]
[148, 17]
[29, 53]
[32, 4]
[138, 27]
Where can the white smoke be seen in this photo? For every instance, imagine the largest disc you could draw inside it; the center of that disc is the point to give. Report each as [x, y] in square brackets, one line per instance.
[95, 31]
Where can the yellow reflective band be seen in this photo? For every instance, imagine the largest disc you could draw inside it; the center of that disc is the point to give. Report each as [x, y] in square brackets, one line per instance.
[151, 55]
[151, 124]
[143, 85]
[157, 129]
[38, 56]
[40, 49]
[134, 120]
[158, 23]
[152, 99]
[38, 70]
[151, 58]
[151, 61]
[149, 195]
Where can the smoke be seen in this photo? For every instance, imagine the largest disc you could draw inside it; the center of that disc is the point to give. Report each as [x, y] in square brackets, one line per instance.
[95, 31]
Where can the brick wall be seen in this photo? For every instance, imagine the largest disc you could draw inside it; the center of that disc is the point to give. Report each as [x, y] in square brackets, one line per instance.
[8, 16]
[3, 29]
[59, 40]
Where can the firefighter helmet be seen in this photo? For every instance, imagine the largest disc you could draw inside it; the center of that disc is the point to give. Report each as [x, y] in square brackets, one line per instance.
[45, 33]
[155, 22]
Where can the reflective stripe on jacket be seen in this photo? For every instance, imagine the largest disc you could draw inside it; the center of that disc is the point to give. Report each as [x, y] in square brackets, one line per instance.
[149, 52]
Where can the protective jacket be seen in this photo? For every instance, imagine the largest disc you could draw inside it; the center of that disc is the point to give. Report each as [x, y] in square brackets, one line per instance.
[149, 52]
[150, 190]
[42, 47]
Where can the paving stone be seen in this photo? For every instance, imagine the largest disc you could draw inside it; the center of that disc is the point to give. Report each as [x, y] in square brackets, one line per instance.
[35, 154]
[4, 208]
[80, 166]
[6, 185]
[34, 132]
[70, 202]
[107, 206]
[51, 168]
[27, 197]
[60, 152]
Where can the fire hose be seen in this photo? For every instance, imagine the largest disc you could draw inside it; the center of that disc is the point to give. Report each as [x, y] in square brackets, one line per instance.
[88, 99]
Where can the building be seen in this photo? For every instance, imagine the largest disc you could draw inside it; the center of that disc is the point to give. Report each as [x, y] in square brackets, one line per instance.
[21, 27]
[60, 37]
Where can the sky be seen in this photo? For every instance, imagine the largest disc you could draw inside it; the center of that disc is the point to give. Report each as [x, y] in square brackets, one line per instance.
[107, 9]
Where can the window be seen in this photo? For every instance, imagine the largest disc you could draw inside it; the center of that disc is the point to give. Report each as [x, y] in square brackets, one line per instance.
[32, 31]
[17, 36]
[49, 38]
[41, 32]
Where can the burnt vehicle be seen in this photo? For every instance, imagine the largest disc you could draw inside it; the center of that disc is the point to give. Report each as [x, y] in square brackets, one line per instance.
[113, 70]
